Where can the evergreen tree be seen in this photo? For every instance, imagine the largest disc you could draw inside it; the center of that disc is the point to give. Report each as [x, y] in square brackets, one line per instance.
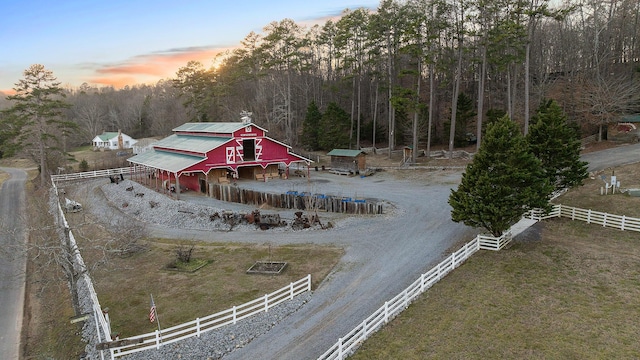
[503, 181]
[36, 118]
[557, 145]
[334, 128]
[310, 127]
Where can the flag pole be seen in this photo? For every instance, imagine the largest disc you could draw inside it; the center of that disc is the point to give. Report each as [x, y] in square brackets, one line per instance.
[153, 315]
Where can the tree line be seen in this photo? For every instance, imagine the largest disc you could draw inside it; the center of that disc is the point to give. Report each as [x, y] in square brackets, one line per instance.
[415, 72]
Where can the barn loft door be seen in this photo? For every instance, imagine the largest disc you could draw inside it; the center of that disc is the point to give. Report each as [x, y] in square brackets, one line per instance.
[249, 149]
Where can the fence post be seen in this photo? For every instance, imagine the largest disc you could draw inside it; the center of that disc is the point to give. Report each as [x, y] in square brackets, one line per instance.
[422, 282]
[157, 340]
[291, 291]
[340, 348]
[622, 224]
[234, 315]
[266, 302]
[386, 312]
[309, 282]
[604, 220]
[364, 329]
[589, 216]
[198, 327]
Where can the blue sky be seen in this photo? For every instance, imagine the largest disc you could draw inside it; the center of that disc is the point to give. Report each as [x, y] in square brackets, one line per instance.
[114, 42]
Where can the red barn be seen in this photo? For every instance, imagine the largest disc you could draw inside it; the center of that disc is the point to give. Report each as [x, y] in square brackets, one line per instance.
[199, 154]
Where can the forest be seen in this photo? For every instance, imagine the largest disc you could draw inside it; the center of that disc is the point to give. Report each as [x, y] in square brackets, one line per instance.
[414, 73]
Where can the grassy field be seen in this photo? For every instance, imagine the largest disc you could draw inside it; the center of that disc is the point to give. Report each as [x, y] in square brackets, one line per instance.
[566, 290]
[182, 296]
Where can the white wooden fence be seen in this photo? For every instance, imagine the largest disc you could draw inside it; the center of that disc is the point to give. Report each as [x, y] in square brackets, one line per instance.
[90, 174]
[620, 222]
[214, 321]
[347, 344]
[103, 329]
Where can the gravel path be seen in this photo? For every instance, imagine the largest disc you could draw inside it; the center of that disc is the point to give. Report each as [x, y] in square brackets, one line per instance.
[383, 253]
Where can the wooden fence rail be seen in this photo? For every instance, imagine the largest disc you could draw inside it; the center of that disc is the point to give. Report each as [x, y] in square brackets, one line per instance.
[620, 222]
[347, 344]
[200, 325]
[295, 200]
[90, 174]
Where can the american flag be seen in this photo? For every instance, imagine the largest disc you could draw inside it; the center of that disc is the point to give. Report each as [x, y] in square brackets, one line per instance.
[152, 311]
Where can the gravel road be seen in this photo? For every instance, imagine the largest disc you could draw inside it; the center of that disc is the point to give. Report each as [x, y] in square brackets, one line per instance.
[383, 253]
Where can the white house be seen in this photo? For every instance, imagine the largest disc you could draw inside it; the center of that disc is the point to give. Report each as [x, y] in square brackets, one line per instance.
[113, 141]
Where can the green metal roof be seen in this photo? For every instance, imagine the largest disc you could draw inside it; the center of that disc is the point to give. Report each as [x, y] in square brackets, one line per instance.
[635, 118]
[199, 144]
[164, 160]
[345, 152]
[214, 127]
[106, 136]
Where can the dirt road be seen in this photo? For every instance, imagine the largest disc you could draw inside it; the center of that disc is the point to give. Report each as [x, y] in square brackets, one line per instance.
[12, 266]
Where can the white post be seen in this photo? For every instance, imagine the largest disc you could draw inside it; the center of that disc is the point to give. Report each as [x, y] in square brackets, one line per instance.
[157, 339]
[339, 348]
[604, 220]
[291, 291]
[309, 282]
[234, 315]
[198, 327]
[622, 224]
[266, 303]
[386, 312]
[422, 283]
[589, 216]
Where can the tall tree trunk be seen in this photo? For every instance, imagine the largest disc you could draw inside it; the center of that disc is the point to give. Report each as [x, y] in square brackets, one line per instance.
[454, 101]
[416, 112]
[483, 74]
[431, 103]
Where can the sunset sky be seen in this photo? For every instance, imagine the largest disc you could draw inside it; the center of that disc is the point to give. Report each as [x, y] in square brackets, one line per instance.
[116, 42]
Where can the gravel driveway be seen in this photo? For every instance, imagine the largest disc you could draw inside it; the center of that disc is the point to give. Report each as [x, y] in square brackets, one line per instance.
[383, 253]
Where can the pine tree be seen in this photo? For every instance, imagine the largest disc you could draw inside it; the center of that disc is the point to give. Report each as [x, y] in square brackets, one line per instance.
[557, 145]
[36, 115]
[503, 181]
[334, 128]
[311, 127]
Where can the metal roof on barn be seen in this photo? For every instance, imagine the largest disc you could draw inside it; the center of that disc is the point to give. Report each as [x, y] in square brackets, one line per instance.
[214, 127]
[345, 152]
[163, 160]
[199, 144]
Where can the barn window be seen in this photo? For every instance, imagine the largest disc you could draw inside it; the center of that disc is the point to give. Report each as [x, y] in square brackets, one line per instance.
[249, 149]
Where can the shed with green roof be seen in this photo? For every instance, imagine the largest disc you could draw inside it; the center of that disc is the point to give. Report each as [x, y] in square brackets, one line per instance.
[352, 161]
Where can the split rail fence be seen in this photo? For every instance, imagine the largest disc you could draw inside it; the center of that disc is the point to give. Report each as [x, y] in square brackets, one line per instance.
[198, 326]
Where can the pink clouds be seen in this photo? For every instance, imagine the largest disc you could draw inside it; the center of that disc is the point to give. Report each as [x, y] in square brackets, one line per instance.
[152, 67]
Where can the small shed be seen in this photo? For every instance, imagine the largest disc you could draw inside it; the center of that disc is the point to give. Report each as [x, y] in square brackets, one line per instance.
[348, 160]
[627, 129]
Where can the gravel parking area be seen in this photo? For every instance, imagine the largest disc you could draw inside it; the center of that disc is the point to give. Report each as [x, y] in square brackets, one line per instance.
[383, 253]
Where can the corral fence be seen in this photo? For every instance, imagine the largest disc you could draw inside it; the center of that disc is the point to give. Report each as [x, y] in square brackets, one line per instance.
[296, 200]
[96, 318]
[90, 174]
[84, 285]
[620, 222]
[198, 326]
[347, 344]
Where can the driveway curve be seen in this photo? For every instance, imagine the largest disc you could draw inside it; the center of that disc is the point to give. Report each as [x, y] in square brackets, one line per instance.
[12, 266]
[383, 253]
